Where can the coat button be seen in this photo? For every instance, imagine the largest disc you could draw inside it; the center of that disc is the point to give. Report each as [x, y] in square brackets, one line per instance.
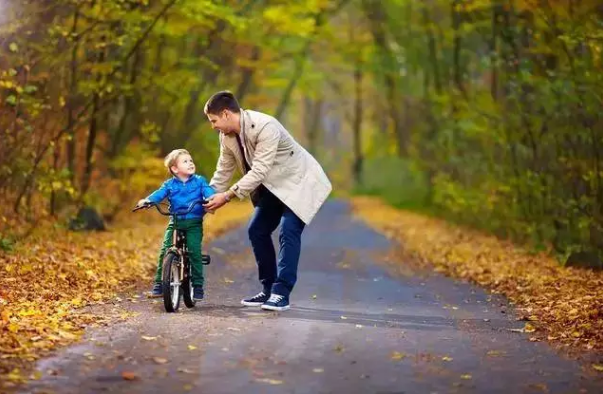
[252, 125]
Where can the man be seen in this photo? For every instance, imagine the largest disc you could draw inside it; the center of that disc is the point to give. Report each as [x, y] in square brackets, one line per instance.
[286, 185]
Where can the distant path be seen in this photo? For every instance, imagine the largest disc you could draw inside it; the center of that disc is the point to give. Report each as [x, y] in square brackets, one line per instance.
[352, 328]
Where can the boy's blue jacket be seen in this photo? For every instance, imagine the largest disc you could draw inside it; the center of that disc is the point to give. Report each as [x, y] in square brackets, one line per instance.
[182, 194]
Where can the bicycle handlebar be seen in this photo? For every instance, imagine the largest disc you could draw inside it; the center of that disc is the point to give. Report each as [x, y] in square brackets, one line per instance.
[169, 213]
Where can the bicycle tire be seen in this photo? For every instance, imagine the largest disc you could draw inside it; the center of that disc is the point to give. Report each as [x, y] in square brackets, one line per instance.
[171, 275]
[187, 288]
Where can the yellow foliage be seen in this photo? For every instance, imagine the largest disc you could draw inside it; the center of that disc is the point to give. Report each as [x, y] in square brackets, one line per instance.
[56, 272]
[566, 303]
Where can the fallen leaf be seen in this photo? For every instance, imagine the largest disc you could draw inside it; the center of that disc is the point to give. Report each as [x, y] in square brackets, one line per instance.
[495, 353]
[539, 386]
[396, 356]
[318, 370]
[446, 358]
[147, 338]
[466, 376]
[192, 347]
[129, 376]
[269, 381]
[160, 360]
[598, 367]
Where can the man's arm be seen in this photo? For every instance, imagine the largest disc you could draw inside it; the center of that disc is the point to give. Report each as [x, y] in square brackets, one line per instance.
[224, 169]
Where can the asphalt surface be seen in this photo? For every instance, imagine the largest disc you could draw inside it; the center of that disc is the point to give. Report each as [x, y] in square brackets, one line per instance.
[355, 326]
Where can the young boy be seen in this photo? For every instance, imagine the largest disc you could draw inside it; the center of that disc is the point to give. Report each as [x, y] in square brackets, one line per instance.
[184, 188]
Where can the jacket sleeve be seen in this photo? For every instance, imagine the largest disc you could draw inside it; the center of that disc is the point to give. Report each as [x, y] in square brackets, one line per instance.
[262, 162]
[224, 169]
[160, 194]
[206, 190]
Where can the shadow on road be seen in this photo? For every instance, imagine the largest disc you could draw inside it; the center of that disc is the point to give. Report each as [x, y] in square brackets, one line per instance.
[382, 320]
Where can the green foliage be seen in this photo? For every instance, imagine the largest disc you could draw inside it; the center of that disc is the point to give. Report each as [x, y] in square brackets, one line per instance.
[399, 181]
[6, 244]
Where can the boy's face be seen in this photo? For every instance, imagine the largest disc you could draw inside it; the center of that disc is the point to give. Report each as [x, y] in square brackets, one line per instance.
[184, 166]
[223, 122]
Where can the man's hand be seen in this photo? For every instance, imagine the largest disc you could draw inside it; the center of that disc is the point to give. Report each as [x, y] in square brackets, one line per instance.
[215, 202]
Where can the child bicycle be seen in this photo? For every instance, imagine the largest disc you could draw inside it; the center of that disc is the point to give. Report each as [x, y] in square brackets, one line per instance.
[176, 272]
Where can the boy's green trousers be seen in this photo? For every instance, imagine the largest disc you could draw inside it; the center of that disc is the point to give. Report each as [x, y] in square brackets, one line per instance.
[194, 236]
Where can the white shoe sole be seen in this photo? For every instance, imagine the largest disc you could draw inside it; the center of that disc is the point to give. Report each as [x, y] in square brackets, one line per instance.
[247, 303]
[275, 308]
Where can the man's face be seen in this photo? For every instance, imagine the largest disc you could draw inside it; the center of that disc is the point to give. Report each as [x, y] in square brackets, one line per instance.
[223, 122]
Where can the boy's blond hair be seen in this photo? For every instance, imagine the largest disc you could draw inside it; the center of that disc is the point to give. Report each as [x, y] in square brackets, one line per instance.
[172, 158]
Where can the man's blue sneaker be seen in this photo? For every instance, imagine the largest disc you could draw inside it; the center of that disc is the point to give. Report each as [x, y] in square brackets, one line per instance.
[198, 293]
[256, 300]
[157, 290]
[276, 303]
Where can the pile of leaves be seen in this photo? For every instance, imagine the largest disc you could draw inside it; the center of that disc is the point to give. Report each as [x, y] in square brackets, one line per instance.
[560, 304]
[46, 279]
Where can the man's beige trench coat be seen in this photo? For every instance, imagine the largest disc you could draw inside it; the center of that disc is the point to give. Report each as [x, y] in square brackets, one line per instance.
[277, 161]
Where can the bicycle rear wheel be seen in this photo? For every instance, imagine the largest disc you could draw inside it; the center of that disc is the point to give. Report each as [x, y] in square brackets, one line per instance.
[171, 282]
[187, 287]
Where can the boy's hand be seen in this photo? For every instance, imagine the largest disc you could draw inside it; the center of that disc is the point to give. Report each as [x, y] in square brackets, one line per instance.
[142, 202]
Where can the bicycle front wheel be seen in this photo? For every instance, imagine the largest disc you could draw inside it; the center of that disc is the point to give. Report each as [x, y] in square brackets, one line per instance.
[171, 282]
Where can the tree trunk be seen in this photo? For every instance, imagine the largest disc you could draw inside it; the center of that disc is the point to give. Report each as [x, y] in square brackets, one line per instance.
[71, 137]
[247, 76]
[93, 129]
[123, 133]
[358, 115]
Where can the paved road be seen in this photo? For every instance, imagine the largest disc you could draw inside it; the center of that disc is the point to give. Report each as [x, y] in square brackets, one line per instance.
[354, 327]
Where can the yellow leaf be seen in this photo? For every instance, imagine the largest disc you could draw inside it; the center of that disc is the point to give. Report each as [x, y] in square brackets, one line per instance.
[446, 358]
[37, 375]
[529, 328]
[15, 376]
[192, 347]
[397, 356]
[269, 381]
[598, 367]
[160, 360]
[466, 376]
[147, 338]
[76, 302]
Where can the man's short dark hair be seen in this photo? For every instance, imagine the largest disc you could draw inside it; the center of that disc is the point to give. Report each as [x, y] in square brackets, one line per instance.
[221, 101]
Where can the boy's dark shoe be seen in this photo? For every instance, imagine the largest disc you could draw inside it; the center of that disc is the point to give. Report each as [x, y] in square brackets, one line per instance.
[198, 293]
[276, 303]
[156, 291]
[256, 300]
